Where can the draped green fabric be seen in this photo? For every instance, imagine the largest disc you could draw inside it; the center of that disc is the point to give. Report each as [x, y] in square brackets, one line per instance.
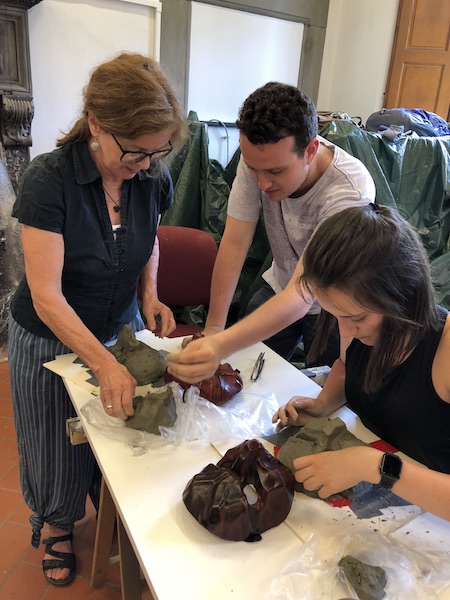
[201, 190]
[413, 174]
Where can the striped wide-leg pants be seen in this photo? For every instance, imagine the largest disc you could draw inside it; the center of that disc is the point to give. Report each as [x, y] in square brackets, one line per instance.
[55, 476]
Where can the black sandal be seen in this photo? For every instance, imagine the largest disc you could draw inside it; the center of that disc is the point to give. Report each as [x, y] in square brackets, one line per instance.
[66, 560]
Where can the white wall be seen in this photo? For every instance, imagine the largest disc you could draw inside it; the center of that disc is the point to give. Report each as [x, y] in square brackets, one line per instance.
[227, 62]
[67, 39]
[357, 54]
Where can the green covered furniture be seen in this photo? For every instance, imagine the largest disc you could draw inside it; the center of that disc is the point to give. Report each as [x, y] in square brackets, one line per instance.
[411, 173]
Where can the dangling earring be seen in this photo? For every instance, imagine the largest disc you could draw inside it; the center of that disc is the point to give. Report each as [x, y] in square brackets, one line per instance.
[95, 147]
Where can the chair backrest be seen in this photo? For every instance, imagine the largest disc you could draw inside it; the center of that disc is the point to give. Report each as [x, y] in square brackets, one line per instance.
[186, 262]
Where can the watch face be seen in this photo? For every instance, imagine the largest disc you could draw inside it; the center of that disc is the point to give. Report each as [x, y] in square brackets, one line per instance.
[391, 465]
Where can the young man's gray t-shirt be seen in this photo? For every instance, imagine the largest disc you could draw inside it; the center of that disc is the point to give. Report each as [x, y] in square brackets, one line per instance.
[291, 222]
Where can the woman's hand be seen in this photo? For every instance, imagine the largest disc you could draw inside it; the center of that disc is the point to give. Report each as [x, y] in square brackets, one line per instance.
[298, 411]
[159, 317]
[333, 472]
[198, 361]
[117, 389]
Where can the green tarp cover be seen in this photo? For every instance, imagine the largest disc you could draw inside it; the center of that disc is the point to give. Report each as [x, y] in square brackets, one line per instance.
[411, 173]
[201, 190]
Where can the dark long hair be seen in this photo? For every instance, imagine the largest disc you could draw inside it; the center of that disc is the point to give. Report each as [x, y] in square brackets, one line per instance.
[374, 255]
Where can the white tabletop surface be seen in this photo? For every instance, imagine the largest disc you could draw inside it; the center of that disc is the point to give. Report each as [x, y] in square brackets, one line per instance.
[179, 558]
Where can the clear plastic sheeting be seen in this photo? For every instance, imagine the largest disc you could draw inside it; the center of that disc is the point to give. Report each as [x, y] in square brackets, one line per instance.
[247, 415]
[313, 573]
[11, 256]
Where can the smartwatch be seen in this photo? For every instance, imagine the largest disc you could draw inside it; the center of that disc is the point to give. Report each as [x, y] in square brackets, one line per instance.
[390, 469]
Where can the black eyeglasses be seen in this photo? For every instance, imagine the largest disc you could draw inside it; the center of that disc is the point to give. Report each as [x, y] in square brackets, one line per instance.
[130, 157]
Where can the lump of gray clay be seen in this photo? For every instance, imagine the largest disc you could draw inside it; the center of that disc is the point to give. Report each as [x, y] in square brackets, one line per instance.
[146, 364]
[368, 581]
[318, 435]
[153, 410]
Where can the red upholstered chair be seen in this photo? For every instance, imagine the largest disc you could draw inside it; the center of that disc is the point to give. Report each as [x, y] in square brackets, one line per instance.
[186, 262]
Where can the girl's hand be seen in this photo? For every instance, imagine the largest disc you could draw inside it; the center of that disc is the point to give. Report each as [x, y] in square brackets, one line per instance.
[333, 472]
[298, 411]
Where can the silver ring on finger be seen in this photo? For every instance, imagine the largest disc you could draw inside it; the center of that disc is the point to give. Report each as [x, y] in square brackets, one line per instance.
[108, 407]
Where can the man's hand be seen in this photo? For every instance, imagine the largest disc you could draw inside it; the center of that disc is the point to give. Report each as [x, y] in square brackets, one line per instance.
[198, 361]
[205, 333]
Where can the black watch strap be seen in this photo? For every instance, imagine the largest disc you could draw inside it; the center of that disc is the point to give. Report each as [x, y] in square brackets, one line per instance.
[390, 469]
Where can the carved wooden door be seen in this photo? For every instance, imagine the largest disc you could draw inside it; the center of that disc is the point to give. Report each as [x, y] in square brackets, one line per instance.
[419, 75]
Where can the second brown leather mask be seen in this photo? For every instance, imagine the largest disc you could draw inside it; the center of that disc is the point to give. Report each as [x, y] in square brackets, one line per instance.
[216, 496]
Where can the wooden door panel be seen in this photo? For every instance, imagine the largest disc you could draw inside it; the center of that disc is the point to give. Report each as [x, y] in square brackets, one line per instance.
[425, 95]
[429, 25]
[419, 75]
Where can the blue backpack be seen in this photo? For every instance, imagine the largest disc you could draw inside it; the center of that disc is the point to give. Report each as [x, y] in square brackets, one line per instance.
[411, 119]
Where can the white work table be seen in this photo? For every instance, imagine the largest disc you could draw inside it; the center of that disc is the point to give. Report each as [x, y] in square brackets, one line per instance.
[178, 557]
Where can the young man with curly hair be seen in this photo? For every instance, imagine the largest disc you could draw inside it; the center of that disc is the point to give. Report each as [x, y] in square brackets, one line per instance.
[296, 179]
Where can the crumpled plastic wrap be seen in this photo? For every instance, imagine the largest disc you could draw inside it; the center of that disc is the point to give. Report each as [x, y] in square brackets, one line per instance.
[313, 573]
[246, 415]
[11, 255]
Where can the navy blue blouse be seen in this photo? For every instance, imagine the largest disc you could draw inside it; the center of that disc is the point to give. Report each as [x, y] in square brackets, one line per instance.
[62, 192]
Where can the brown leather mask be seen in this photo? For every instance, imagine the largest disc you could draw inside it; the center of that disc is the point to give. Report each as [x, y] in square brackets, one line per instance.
[223, 385]
[216, 496]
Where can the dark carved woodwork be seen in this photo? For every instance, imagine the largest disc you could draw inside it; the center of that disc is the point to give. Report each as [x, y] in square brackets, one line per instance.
[16, 101]
[16, 114]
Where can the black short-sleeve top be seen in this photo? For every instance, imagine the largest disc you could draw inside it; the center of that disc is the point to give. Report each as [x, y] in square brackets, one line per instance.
[62, 192]
[405, 410]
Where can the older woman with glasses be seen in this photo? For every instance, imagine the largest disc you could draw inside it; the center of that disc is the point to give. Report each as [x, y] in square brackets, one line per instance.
[89, 212]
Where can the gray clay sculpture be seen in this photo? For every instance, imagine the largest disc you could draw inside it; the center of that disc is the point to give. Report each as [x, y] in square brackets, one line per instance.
[368, 581]
[146, 364]
[319, 435]
[153, 410]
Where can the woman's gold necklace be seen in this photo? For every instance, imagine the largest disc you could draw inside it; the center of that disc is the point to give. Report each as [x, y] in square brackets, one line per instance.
[116, 202]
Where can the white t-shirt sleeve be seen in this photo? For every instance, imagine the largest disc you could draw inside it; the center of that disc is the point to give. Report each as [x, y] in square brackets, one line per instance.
[244, 202]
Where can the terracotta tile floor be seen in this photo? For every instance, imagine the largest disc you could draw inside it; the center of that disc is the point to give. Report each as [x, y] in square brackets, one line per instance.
[21, 575]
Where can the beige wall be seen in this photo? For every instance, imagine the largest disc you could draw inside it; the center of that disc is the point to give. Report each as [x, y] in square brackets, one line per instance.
[357, 53]
[67, 38]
